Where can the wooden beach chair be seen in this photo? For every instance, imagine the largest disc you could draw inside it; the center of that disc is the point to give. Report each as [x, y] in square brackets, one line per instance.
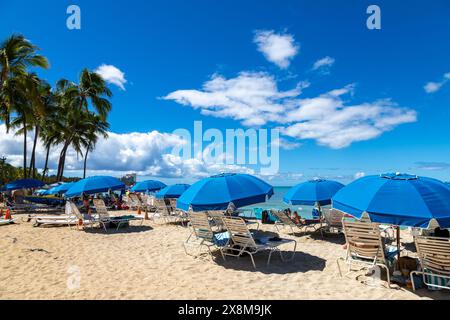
[202, 234]
[434, 258]
[104, 217]
[365, 247]
[242, 241]
[284, 220]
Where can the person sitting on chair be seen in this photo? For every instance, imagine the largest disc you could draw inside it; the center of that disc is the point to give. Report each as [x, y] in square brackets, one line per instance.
[441, 233]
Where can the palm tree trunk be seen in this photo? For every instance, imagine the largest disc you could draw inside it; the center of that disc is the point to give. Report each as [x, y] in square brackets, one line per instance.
[24, 148]
[32, 170]
[62, 160]
[85, 161]
[44, 172]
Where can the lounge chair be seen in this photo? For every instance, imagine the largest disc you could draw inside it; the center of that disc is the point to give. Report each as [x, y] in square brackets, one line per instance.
[87, 220]
[163, 211]
[202, 235]
[104, 218]
[434, 257]
[217, 215]
[365, 247]
[333, 220]
[178, 214]
[66, 219]
[242, 241]
[134, 202]
[285, 221]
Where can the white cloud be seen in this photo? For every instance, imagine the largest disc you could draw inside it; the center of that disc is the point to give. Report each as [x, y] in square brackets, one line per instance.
[112, 74]
[432, 87]
[324, 63]
[251, 97]
[359, 175]
[277, 48]
[255, 100]
[148, 154]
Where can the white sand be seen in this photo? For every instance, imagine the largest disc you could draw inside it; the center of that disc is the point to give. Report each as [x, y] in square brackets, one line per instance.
[149, 262]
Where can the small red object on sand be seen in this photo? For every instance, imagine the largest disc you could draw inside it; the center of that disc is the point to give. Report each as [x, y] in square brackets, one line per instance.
[8, 215]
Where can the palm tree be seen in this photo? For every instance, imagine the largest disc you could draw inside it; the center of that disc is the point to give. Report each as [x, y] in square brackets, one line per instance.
[24, 92]
[17, 54]
[44, 106]
[97, 127]
[50, 134]
[75, 99]
[91, 88]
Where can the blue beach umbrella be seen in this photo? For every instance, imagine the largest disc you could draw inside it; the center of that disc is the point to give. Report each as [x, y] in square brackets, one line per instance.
[24, 184]
[217, 192]
[397, 199]
[313, 192]
[148, 186]
[94, 185]
[173, 191]
[63, 188]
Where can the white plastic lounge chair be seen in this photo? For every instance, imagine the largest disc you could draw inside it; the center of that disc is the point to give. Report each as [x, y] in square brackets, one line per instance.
[4, 222]
[202, 235]
[179, 215]
[68, 218]
[333, 220]
[365, 247]
[86, 220]
[285, 221]
[434, 257]
[242, 241]
[163, 211]
[104, 218]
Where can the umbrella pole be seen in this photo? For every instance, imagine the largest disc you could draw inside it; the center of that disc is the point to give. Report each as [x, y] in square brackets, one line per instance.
[398, 245]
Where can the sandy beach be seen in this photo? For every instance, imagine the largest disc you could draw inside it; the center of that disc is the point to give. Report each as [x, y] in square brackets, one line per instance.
[149, 262]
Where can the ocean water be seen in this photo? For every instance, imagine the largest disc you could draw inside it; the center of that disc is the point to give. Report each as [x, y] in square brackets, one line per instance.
[276, 202]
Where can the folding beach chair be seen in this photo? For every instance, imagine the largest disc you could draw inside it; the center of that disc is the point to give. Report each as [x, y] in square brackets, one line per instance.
[434, 257]
[242, 241]
[85, 220]
[104, 217]
[217, 215]
[202, 235]
[365, 247]
[285, 221]
[333, 220]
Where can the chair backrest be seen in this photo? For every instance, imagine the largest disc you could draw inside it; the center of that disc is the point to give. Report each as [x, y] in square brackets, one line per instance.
[74, 210]
[364, 240]
[282, 217]
[238, 231]
[161, 205]
[101, 209]
[333, 217]
[200, 223]
[216, 216]
[173, 204]
[135, 199]
[434, 254]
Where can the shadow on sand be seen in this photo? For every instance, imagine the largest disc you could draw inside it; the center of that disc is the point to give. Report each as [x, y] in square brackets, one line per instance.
[302, 262]
[127, 230]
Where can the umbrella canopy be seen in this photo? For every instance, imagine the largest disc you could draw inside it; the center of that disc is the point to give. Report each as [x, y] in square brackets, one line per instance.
[173, 191]
[148, 186]
[312, 192]
[93, 185]
[24, 184]
[63, 188]
[217, 192]
[398, 199]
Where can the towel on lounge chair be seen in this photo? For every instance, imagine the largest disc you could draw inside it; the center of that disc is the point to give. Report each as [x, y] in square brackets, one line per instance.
[221, 239]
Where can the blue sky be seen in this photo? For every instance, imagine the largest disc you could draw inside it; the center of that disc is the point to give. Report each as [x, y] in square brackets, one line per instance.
[166, 46]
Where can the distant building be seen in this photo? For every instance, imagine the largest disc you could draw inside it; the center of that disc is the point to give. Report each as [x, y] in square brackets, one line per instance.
[129, 179]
